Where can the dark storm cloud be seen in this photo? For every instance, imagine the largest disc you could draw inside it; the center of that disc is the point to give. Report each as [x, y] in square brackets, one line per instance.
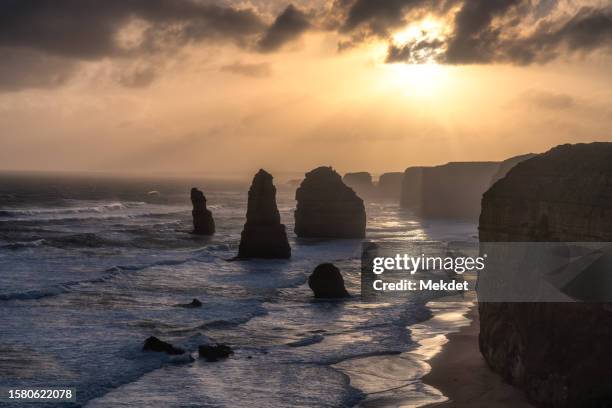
[287, 26]
[87, 29]
[489, 31]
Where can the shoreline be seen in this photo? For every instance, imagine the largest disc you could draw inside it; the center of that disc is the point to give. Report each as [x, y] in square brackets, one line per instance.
[460, 373]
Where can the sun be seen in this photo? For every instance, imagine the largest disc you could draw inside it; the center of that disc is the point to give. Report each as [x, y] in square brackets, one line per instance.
[425, 78]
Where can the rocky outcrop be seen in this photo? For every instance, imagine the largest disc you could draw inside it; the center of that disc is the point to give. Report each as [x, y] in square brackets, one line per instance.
[214, 352]
[453, 190]
[203, 223]
[263, 235]
[326, 282]
[390, 185]
[360, 182]
[326, 207]
[157, 345]
[193, 304]
[506, 165]
[559, 353]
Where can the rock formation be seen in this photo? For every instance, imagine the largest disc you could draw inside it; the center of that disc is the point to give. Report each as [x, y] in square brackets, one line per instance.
[157, 345]
[193, 304]
[263, 235]
[326, 282]
[360, 182]
[559, 353]
[453, 190]
[412, 187]
[506, 165]
[390, 185]
[214, 352]
[326, 207]
[203, 223]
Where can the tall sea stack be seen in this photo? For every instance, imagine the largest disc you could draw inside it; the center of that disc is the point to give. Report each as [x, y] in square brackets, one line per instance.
[559, 353]
[263, 235]
[326, 207]
[390, 185]
[203, 223]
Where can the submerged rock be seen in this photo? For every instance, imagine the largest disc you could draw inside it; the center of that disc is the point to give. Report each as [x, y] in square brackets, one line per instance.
[559, 353]
[157, 345]
[326, 282]
[203, 223]
[263, 235]
[214, 352]
[326, 207]
[193, 304]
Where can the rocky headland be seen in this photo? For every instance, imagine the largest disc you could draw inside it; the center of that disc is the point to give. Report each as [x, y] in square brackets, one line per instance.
[558, 353]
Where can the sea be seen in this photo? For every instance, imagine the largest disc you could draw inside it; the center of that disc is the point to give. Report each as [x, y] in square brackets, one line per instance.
[91, 266]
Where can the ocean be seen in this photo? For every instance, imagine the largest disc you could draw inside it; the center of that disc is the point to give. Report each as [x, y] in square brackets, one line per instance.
[92, 266]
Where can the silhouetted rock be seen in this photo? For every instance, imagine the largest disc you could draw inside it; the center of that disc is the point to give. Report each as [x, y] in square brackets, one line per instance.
[326, 282]
[214, 352]
[360, 182]
[506, 165]
[412, 188]
[559, 353]
[263, 235]
[453, 190]
[192, 304]
[203, 223]
[157, 345]
[390, 185]
[326, 207]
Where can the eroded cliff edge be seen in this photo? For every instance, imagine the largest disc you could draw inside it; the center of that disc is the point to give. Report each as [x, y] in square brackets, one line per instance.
[558, 353]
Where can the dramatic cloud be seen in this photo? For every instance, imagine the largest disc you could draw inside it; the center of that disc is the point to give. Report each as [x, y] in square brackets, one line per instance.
[287, 26]
[42, 42]
[500, 31]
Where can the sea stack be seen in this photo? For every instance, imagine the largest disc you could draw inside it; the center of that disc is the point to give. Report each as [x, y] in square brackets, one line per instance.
[326, 282]
[203, 222]
[559, 353]
[390, 185]
[360, 182]
[327, 208]
[263, 235]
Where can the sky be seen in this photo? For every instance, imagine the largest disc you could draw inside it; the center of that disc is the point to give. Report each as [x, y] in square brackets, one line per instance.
[226, 87]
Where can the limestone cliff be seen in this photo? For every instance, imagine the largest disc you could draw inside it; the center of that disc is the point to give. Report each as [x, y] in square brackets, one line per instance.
[559, 353]
[453, 190]
[506, 165]
[326, 207]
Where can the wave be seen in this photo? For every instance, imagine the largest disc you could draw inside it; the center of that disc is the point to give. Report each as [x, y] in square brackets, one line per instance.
[107, 274]
[115, 206]
[24, 244]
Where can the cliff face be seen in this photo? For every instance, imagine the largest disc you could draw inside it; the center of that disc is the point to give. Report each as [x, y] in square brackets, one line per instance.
[452, 190]
[360, 182]
[263, 235]
[558, 353]
[326, 207]
[412, 187]
[203, 222]
[506, 165]
[390, 185]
